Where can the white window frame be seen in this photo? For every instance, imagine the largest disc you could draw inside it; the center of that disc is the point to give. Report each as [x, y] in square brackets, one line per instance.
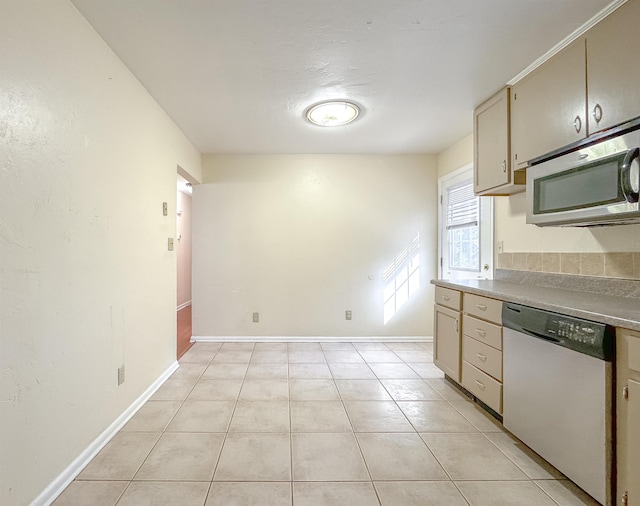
[486, 230]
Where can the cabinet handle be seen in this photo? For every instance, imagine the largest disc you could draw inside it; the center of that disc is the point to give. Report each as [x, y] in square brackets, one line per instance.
[597, 113]
[577, 124]
[481, 332]
[456, 325]
[481, 357]
[446, 297]
[480, 385]
[481, 307]
[504, 166]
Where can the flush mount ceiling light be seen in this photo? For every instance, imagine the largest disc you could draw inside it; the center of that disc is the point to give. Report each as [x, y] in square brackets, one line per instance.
[332, 113]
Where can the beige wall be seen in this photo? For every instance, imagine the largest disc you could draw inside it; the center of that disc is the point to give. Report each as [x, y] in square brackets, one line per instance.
[456, 156]
[295, 237]
[86, 160]
[183, 248]
[517, 236]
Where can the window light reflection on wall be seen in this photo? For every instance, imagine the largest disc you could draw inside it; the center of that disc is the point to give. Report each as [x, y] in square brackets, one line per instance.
[402, 279]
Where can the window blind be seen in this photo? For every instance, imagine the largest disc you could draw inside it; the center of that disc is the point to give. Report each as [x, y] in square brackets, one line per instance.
[462, 206]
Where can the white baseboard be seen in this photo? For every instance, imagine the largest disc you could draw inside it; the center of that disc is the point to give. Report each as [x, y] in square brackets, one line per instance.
[57, 486]
[302, 339]
[183, 305]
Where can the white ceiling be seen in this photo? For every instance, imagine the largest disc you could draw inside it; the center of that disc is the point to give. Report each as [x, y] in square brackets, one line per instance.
[237, 75]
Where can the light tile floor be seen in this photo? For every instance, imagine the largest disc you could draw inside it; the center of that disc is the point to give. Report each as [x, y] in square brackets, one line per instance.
[315, 424]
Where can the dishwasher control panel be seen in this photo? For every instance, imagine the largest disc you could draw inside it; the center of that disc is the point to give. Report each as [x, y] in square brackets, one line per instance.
[580, 332]
[584, 336]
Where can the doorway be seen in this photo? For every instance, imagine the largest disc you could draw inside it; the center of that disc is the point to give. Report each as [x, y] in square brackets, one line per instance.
[183, 259]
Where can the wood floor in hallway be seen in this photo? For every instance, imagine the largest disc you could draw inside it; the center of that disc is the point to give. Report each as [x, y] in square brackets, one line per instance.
[184, 330]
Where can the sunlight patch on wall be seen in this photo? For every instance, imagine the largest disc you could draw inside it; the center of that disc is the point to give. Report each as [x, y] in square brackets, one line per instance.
[402, 279]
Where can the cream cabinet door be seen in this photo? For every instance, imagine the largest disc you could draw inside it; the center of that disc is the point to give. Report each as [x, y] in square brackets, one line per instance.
[628, 416]
[633, 444]
[446, 336]
[492, 166]
[548, 107]
[613, 46]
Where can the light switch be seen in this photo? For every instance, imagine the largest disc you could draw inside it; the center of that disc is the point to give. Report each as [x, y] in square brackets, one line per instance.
[170, 243]
[165, 209]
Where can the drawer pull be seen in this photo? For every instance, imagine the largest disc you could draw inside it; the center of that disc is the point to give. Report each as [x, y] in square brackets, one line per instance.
[481, 307]
[481, 357]
[480, 385]
[481, 332]
[446, 297]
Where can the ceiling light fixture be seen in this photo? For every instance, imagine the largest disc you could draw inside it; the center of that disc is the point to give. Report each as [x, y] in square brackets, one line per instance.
[332, 113]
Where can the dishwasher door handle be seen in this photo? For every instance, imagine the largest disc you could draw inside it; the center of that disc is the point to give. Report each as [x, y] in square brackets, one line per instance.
[541, 336]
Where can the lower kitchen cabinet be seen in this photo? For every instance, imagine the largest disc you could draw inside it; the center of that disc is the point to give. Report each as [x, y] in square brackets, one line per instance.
[446, 334]
[628, 417]
[471, 353]
[482, 349]
[483, 386]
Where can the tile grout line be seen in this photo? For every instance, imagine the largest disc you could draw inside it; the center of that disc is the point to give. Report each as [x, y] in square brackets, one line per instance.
[334, 380]
[355, 437]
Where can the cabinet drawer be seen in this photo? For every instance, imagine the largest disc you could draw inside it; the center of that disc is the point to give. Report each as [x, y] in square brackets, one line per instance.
[483, 357]
[483, 386]
[449, 298]
[485, 332]
[483, 307]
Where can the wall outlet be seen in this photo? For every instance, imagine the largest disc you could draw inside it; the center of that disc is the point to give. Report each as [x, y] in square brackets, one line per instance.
[170, 244]
[256, 317]
[121, 375]
[165, 209]
[347, 314]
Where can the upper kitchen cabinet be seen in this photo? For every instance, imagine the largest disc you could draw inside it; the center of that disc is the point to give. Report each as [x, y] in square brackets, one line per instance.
[613, 72]
[548, 107]
[493, 173]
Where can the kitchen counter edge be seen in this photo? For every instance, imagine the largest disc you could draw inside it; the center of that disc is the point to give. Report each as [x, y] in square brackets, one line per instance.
[621, 312]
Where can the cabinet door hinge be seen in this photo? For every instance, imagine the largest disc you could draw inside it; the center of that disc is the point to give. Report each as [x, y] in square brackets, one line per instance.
[625, 392]
[625, 498]
[440, 262]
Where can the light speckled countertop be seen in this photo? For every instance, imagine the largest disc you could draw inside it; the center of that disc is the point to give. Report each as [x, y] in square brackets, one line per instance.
[614, 303]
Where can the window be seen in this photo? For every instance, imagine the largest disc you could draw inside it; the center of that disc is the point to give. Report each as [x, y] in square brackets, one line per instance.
[402, 279]
[462, 222]
[465, 228]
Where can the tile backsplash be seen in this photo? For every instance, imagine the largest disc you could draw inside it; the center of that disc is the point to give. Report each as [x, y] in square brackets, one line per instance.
[610, 265]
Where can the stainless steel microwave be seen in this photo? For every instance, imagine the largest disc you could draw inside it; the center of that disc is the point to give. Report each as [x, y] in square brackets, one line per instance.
[595, 183]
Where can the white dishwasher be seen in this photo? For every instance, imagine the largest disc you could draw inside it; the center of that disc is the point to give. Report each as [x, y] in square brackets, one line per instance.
[558, 392]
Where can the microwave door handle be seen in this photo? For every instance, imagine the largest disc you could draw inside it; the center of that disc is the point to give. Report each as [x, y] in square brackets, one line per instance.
[627, 175]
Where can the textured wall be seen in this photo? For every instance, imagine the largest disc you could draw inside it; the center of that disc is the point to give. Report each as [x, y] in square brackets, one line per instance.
[296, 237]
[86, 160]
